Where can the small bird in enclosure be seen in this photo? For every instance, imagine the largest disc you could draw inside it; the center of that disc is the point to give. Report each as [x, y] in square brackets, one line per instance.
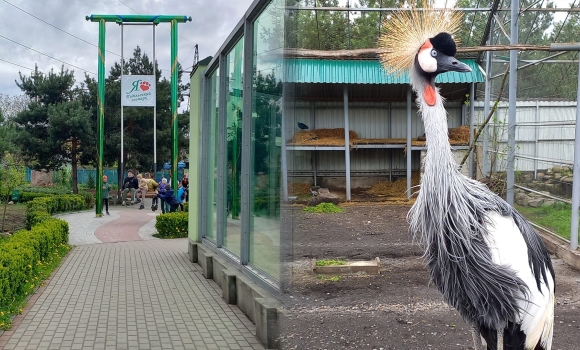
[302, 126]
[483, 256]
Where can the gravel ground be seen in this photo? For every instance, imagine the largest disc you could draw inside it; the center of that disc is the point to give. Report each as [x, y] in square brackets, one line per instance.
[395, 310]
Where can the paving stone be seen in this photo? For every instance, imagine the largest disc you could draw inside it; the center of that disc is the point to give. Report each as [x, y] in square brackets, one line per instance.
[141, 294]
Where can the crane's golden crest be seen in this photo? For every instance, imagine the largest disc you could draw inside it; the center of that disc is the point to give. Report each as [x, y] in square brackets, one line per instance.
[406, 31]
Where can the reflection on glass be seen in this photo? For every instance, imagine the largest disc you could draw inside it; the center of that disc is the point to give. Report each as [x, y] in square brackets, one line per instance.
[266, 140]
[234, 104]
[211, 232]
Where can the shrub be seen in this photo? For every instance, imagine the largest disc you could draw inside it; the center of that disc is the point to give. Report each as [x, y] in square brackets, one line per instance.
[28, 196]
[22, 255]
[171, 225]
[186, 207]
[323, 208]
[41, 208]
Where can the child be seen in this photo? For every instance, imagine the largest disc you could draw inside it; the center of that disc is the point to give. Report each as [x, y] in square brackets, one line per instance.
[163, 187]
[180, 195]
[105, 193]
[142, 190]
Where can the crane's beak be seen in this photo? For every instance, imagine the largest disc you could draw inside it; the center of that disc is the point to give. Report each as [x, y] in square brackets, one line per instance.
[450, 64]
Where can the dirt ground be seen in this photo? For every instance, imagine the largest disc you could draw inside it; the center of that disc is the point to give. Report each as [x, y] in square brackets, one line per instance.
[15, 217]
[395, 310]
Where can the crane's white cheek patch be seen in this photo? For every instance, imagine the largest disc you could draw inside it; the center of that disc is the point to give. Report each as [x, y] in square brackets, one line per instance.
[426, 61]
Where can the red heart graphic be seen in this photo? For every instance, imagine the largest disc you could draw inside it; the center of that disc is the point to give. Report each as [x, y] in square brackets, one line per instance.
[144, 85]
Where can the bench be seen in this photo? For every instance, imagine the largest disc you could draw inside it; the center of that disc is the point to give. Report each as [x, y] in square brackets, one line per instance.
[114, 200]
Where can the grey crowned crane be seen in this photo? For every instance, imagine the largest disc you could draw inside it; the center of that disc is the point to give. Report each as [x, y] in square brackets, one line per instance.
[483, 256]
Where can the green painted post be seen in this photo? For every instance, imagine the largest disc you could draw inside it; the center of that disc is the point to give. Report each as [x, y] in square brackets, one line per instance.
[174, 129]
[101, 117]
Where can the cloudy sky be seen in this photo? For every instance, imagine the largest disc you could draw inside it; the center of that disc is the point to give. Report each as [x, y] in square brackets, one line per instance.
[212, 21]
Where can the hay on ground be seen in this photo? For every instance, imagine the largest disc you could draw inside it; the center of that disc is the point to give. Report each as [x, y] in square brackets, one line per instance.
[396, 188]
[299, 188]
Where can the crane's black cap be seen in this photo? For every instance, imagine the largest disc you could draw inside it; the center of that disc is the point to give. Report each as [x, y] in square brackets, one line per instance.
[444, 43]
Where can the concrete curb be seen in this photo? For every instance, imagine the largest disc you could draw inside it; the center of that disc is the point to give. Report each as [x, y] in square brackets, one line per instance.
[254, 301]
[561, 249]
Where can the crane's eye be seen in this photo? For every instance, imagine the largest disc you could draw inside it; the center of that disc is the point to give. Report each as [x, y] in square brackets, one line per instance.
[433, 53]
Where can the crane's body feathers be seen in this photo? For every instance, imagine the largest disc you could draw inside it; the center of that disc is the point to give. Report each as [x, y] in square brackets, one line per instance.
[466, 229]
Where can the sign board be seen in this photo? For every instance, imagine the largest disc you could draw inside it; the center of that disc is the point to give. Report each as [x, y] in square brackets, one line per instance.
[138, 90]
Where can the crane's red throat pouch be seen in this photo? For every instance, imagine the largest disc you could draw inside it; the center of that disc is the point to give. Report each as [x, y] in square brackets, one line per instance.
[429, 95]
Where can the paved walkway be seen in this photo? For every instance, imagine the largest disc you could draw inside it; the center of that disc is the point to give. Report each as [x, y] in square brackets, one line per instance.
[138, 293]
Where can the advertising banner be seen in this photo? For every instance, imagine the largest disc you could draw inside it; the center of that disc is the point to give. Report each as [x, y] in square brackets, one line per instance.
[138, 90]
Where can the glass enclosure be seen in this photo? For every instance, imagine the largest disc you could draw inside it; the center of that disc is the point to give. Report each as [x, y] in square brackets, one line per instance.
[234, 110]
[212, 155]
[243, 146]
[266, 140]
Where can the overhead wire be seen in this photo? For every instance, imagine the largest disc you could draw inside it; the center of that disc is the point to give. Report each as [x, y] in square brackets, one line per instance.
[42, 53]
[55, 27]
[16, 64]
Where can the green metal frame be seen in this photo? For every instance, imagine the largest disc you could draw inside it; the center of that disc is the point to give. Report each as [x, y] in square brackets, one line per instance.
[119, 19]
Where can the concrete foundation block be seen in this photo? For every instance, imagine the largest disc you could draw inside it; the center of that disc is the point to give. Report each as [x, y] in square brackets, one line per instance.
[192, 252]
[229, 292]
[205, 260]
[267, 329]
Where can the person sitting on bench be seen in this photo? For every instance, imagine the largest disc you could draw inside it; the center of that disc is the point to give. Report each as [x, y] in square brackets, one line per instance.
[129, 184]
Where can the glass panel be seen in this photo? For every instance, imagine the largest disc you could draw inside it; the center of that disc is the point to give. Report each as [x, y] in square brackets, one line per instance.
[213, 90]
[266, 140]
[234, 104]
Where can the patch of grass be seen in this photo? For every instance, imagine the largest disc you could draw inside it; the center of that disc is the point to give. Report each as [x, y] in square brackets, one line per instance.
[330, 262]
[329, 278]
[557, 218]
[44, 268]
[15, 217]
[323, 208]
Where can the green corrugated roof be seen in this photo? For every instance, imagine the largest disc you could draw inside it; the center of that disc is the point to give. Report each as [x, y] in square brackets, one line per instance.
[363, 72]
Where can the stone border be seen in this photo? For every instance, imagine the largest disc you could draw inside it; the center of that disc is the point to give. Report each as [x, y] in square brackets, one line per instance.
[372, 267]
[237, 289]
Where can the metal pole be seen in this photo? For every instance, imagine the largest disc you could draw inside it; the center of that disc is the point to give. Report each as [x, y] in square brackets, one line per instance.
[472, 172]
[174, 92]
[409, 142]
[389, 135]
[346, 142]
[512, 104]
[576, 179]
[154, 113]
[284, 155]
[488, 82]
[120, 187]
[536, 137]
[101, 118]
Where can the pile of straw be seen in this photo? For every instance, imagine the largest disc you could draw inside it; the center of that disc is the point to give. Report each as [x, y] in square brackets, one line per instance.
[321, 137]
[396, 188]
[459, 136]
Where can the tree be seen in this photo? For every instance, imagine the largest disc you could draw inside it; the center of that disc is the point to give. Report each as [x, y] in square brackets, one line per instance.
[47, 127]
[70, 128]
[12, 176]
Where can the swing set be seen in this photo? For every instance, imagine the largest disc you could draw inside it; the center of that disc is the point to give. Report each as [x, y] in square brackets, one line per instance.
[122, 20]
